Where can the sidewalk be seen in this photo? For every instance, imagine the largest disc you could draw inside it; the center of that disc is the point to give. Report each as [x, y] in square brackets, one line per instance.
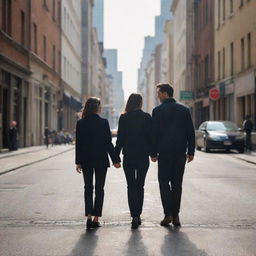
[26, 156]
[249, 157]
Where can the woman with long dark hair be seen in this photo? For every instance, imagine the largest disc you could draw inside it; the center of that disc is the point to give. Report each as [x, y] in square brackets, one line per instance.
[134, 139]
[93, 144]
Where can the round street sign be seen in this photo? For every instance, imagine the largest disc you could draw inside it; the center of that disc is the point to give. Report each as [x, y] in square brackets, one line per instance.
[214, 94]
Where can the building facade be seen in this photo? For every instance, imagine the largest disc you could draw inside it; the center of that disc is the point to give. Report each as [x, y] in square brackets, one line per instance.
[203, 59]
[183, 20]
[14, 69]
[235, 60]
[71, 64]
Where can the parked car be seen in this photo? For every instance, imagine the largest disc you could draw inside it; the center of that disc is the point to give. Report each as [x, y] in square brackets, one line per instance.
[220, 135]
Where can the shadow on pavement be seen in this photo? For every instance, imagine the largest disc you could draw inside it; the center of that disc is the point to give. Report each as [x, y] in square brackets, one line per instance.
[177, 242]
[86, 244]
[135, 245]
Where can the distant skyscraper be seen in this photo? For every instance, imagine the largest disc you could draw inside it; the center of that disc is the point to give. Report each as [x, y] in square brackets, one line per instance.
[98, 18]
[117, 82]
[160, 20]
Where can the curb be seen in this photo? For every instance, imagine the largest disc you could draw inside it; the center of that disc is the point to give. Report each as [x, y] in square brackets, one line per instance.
[21, 153]
[245, 160]
[34, 162]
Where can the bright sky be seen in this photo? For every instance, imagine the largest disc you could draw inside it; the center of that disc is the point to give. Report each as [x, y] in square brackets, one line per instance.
[126, 24]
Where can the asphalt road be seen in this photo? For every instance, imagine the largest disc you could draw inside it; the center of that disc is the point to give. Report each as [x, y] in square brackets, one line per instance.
[42, 212]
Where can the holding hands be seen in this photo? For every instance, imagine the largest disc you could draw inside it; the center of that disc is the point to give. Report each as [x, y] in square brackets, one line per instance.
[117, 165]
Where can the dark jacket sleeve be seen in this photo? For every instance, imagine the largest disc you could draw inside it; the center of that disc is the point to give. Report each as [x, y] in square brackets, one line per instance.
[155, 132]
[149, 132]
[190, 135]
[120, 136]
[110, 148]
[78, 144]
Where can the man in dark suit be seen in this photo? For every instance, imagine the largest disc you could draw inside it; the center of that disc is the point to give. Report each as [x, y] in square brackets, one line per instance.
[173, 144]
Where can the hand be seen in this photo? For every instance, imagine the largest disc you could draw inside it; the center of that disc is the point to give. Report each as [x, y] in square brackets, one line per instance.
[154, 159]
[190, 158]
[117, 165]
[79, 168]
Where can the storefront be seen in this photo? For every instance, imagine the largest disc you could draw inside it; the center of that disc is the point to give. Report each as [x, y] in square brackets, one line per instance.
[13, 103]
[245, 97]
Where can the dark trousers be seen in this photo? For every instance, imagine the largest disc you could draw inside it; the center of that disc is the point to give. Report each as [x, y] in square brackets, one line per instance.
[135, 173]
[248, 141]
[94, 208]
[170, 177]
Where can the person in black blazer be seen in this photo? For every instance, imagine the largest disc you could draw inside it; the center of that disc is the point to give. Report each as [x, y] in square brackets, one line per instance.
[173, 143]
[93, 144]
[134, 139]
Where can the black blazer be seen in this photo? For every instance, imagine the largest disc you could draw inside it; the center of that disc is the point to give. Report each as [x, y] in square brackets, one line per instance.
[134, 134]
[173, 130]
[94, 142]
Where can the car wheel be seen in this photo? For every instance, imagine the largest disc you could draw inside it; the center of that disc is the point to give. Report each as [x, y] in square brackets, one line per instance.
[206, 147]
[241, 150]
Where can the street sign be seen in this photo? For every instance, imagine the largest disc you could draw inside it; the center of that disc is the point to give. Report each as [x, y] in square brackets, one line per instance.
[214, 94]
[186, 95]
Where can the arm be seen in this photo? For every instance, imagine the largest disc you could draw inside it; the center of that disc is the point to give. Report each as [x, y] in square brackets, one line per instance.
[120, 136]
[155, 131]
[110, 148]
[78, 144]
[190, 135]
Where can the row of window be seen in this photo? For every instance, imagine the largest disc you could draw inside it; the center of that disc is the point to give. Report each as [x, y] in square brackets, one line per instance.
[70, 29]
[245, 55]
[53, 52]
[227, 7]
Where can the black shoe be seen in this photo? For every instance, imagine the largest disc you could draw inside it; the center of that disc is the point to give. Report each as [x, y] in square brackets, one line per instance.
[139, 221]
[89, 224]
[96, 224]
[166, 221]
[176, 221]
[135, 223]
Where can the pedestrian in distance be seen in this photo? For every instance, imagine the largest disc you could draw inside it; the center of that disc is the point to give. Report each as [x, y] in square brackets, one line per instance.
[93, 144]
[47, 135]
[134, 139]
[173, 144]
[248, 127]
[13, 134]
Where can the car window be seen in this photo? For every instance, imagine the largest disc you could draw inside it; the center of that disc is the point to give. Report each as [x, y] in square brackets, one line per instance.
[221, 126]
[203, 125]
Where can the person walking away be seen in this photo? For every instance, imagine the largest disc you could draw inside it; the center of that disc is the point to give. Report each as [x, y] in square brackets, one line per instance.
[93, 144]
[134, 139]
[248, 127]
[46, 137]
[13, 134]
[173, 144]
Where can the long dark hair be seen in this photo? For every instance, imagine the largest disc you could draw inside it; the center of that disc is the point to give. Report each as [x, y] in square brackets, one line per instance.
[91, 106]
[134, 102]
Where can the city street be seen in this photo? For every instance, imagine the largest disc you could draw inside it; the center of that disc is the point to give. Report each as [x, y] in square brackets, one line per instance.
[42, 211]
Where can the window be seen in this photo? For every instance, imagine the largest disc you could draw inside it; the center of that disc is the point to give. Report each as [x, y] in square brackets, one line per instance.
[223, 64]
[35, 37]
[22, 28]
[232, 59]
[231, 6]
[242, 54]
[224, 10]
[45, 48]
[53, 57]
[53, 9]
[7, 16]
[59, 12]
[46, 5]
[206, 70]
[249, 49]
[219, 64]
[219, 10]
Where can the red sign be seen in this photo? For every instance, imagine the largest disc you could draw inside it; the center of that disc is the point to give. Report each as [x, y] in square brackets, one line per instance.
[214, 94]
